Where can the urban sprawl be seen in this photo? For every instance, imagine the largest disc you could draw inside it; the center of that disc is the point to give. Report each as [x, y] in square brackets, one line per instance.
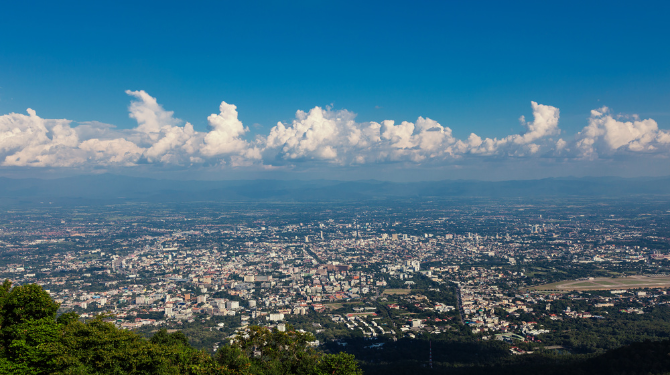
[524, 273]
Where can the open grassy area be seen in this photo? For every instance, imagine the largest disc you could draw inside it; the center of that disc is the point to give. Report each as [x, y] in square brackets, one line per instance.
[339, 305]
[605, 283]
[397, 291]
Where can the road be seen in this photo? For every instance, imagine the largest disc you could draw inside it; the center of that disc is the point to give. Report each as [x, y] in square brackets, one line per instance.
[460, 304]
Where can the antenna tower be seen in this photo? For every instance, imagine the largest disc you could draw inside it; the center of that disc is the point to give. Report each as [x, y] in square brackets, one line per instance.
[430, 354]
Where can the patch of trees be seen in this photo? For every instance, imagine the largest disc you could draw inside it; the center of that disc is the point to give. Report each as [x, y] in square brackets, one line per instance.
[33, 340]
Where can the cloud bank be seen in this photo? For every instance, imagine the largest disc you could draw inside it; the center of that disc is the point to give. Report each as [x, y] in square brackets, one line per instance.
[320, 135]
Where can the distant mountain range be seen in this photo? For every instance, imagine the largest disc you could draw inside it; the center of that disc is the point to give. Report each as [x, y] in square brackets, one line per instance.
[107, 188]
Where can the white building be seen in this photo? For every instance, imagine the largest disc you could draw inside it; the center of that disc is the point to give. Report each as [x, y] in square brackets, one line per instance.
[276, 317]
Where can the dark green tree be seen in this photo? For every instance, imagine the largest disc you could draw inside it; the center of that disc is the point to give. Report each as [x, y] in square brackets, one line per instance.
[260, 350]
[339, 364]
[162, 337]
[31, 337]
[25, 303]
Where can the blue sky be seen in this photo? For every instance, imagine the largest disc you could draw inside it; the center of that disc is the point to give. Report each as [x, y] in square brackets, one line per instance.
[473, 67]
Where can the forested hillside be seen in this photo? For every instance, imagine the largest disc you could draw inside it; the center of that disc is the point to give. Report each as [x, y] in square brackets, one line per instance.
[34, 341]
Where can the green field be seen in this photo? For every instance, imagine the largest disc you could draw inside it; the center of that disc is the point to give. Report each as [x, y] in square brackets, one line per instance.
[397, 291]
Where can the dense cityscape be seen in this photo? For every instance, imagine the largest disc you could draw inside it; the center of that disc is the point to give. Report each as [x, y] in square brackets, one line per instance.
[370, 278]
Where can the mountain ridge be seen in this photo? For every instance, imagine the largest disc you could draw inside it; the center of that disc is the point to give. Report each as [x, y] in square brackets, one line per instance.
[118, 188]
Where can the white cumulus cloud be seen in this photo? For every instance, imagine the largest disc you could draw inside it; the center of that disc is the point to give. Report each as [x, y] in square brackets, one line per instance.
[606, 135]
[29, 140]
[320, 135]
[528, 143]
[225, 136]
[34, 141]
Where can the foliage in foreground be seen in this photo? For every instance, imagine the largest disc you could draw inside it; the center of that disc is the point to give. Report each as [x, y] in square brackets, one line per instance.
[34, 341]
